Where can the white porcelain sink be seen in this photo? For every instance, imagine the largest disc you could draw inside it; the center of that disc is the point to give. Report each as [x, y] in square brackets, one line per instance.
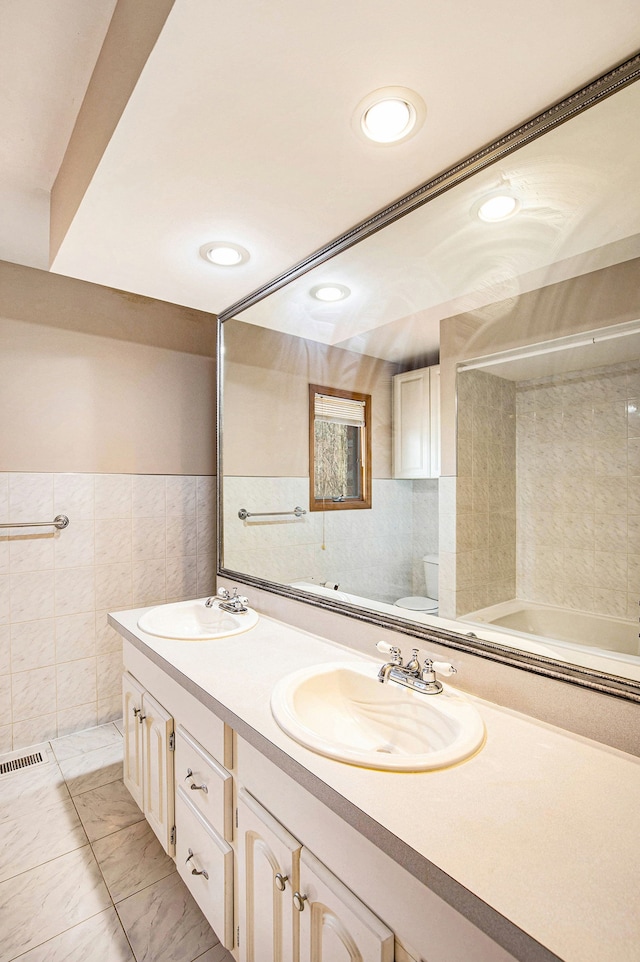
[193, 621]
[342, 711]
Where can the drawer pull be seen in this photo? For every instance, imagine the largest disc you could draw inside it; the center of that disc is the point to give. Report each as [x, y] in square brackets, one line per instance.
[194, 871]
[281, 881]
[299, 900]
[194, 787]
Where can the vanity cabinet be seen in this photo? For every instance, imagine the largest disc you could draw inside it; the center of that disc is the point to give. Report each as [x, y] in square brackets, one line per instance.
[148, 758]
[416, 423]
[291, 907]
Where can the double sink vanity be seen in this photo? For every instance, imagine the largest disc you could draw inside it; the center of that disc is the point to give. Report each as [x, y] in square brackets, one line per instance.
[316, 808]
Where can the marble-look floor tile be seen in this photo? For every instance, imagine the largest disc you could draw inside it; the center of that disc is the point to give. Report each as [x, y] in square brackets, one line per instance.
[119, 725]
[37, 837]
[86, 741]
[29, 790]
[85, 772]
[107, 809]
[131, 859]
[47, 900]
[99, 939]
[164, 924]
[217, 954]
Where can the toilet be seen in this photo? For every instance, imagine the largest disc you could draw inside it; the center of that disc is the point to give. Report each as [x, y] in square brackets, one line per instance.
[428, 603]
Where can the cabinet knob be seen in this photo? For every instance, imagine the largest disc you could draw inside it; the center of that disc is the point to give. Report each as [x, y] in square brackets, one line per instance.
[281, 881]
[136, 712]
[195, 871]
[299, 900]
[194, 787]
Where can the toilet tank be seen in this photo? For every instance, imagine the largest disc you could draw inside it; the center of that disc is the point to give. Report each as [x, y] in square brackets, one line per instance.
[431, 567]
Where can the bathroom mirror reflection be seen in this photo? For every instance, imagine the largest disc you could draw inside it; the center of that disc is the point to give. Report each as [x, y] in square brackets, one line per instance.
[503, 362]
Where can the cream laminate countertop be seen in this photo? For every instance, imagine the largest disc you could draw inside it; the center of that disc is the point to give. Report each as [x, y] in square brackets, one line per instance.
[542, 827]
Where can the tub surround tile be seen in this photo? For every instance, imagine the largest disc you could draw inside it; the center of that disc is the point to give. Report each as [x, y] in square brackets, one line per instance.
[104, 736]
[131, 859]
[37, 837]
[107, 809]
[100, 939]
[164, 924]
[92, 769]
[45, 901]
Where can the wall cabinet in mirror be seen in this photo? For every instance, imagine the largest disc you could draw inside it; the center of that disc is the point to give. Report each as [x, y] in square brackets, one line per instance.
[416, 423]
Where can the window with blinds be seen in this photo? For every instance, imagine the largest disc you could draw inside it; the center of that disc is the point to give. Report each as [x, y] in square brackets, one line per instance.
[340, 449]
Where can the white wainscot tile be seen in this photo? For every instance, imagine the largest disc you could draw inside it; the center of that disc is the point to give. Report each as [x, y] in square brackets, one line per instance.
[30, 497]
[74, 495]
[6, 738]
[182, 537]
[181, 496]
[149, 582]
[113, 541]
[30, 552]
[610, 602]
[110, 709]
[611, 532]
[182, 580]
[206, 498]
[75, 590]
[113, 585]
[611, 496]
[107, 638]
[75, 636]
[31, 731]
[5, 698]
[33, 693]
[109, 675]
[5, 599]
[74, 546]
[148, 539]
[76, 683]
[633, 534]
[4, 554]
[4, 496]
[149, 499]
[32, 595]
[32, 644]
[113, 495]
[5, 650]
[77, 719]
[611, 570]
[206, 573]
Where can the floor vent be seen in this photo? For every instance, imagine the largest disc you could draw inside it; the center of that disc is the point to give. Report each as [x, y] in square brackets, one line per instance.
[24, 761]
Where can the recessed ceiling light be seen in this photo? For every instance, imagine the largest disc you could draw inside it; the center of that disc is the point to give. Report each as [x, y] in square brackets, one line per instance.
[224, 254]
[389, 115]
[330, 292]
[497, 206]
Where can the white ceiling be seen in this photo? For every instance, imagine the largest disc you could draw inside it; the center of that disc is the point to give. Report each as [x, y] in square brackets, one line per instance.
[239, 127]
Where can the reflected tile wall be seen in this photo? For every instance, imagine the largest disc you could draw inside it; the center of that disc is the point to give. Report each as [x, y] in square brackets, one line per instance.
[578, 447]
[133, 540]
[368, 552]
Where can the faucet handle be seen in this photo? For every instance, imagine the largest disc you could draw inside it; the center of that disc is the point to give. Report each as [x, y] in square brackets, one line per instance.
[387, 649]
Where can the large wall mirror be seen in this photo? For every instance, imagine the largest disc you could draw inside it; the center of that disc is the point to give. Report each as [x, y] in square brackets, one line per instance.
[495, 324]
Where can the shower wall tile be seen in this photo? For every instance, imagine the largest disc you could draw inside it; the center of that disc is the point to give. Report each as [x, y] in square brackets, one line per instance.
[131, 540]
[592, 508]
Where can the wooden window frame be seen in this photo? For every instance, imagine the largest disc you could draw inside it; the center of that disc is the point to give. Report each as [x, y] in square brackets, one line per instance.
[364, 501]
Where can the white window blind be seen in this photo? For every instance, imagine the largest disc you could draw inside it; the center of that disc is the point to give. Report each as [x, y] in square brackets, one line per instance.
[339, 410]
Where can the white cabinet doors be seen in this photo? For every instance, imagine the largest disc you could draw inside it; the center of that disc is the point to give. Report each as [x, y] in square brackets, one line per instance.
[416, 423]
[335, 926]
[268, 868]
[148, 758]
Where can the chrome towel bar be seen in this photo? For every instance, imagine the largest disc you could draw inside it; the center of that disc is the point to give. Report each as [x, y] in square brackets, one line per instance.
[243, 514]
[60, 521]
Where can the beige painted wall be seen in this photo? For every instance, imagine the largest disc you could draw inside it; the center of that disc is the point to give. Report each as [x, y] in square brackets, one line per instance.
[94, 380]
[266, 400]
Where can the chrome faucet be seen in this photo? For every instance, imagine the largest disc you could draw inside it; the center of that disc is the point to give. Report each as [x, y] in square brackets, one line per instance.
[412, 675]
[235, 603]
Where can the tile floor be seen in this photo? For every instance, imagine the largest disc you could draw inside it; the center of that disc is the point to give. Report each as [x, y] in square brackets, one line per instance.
[82, 876]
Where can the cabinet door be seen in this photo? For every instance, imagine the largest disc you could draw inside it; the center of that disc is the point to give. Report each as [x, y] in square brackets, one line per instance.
[157, 770]
[434, 421]
[268, 870]
[411, 425]
[132, 693]
[335, 926]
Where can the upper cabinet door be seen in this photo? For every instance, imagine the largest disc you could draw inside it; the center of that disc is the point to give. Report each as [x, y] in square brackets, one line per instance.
[416, 423]
[158, 789]
[335, 926]
[268, 875]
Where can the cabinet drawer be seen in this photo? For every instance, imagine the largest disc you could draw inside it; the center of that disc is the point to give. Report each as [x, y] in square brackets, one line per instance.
[205, 863]
[208, 787]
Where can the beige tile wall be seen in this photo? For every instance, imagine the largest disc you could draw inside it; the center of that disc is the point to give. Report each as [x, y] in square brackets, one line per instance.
[133, 540]
[579, 490]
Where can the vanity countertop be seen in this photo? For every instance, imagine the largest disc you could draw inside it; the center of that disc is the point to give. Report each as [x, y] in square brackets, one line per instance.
[541, 826]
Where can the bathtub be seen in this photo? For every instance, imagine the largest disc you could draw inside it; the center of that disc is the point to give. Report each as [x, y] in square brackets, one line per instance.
[601, 633]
